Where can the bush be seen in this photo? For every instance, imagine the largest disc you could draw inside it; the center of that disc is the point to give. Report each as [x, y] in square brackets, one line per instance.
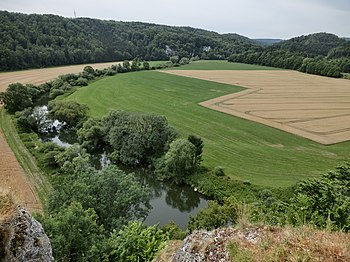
[195, 58]
[29, 145]
[81, 82]
[146, 66]
[219, 171]
[174, 59]
[184, 61]
[323, 202]
[55, 93]
[173, 231]
[168, 64]
[215, 215]
[110, 72]
[136, 243]
[49, 151]
[68, 78]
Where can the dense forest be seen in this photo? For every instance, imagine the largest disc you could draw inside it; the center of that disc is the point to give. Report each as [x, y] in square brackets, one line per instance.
[34, 41]
[31, 41]
[321, 54]
[267, 41]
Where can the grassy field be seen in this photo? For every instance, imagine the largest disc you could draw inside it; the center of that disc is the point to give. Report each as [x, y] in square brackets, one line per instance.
[247, 150]
[156, 63]
[221, 65]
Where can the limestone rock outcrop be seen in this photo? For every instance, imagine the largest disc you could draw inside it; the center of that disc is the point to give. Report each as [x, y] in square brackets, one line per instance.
[22, 238]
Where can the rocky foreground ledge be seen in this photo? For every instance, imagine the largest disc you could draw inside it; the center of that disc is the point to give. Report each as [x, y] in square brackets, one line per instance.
[259, 243]
[22, 238]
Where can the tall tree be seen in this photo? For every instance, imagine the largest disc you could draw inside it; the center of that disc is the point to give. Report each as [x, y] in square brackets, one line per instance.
[180, 160]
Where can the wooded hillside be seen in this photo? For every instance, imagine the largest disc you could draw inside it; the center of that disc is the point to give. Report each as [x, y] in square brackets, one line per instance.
[321, 54]
[30, 41]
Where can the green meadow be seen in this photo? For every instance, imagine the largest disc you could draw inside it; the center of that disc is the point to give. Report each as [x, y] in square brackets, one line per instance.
[220, 65]
[247, 150]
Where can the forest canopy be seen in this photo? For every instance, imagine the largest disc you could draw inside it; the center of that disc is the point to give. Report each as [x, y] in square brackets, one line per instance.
[320, 54]
[31, 41]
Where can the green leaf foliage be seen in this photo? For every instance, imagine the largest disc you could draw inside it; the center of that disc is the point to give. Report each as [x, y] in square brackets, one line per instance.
[75, 234]
[136, 243]
[180, 160]
[323, 202]
[91, 135]
[69, 112]
[198, 143]
[215, 215]
[17, 97]
[115, 196]
[137, 138]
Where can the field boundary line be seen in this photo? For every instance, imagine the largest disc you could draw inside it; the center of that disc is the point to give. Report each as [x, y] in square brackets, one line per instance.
[222, 103]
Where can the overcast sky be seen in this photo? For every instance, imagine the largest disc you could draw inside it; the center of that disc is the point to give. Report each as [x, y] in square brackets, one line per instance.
[252, 18]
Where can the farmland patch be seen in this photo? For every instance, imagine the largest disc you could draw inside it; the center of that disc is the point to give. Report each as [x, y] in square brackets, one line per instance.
[314, 107]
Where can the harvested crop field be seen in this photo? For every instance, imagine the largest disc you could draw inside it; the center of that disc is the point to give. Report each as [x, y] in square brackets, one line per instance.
[14, 181]
[39, 76]
[313, 107]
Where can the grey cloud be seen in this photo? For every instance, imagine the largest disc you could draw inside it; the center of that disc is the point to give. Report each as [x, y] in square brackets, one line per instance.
[253, 18]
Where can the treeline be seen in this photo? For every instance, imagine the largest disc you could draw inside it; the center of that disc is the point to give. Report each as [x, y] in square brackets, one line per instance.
[321, 54]
[18, 97]
[31, 41]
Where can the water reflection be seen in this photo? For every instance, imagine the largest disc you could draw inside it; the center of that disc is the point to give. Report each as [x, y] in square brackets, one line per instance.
[182, 198]
[61, 136]
[170, 202]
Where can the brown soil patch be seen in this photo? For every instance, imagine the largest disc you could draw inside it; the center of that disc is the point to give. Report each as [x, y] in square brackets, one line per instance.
[39, 76]
[14, 181]
[314, 107]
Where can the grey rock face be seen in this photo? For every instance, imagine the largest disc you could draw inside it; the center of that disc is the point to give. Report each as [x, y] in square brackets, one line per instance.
[24, 239]
[205, 246]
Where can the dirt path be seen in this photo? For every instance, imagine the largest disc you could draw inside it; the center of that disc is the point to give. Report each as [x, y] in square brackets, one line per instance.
[314, 107]
[39, 76]
[14, 181]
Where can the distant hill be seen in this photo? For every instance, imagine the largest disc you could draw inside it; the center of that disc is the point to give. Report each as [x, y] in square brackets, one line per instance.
[267, 41]
[321, 54]
[313, 44]
[28, 41]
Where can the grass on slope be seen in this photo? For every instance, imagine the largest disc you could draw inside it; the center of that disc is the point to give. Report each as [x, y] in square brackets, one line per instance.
[24, 157]
[248, 150]
[221, 65]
